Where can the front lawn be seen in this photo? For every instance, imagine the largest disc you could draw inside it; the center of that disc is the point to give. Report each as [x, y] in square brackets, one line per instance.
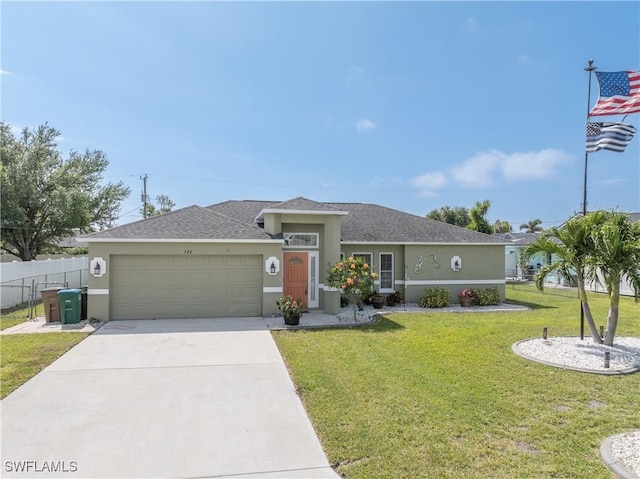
[25, 355]
[441, 395]
[11, 317]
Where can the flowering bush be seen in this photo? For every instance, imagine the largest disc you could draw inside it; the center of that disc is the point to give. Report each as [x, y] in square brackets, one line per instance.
[467, 293]
[289, 306]
[352, 276]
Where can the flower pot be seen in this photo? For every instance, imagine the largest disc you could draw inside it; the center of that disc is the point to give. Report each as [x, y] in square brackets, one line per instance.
[292, 319]
[377, 302]
[465, 301]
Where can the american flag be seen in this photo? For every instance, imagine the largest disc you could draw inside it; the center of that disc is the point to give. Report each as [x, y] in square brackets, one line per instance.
[609, 136]
[619, 93]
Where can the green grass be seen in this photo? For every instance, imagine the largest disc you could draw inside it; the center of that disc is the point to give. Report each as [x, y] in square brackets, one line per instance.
[25, 355]
[11, 317]
[442, 395]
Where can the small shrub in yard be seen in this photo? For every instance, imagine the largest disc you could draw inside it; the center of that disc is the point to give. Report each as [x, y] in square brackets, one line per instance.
[435, 298]
[486, 297]
[344, 301]
[394, 298]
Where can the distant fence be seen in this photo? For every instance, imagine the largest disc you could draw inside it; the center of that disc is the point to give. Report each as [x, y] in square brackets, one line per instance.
[24, 281]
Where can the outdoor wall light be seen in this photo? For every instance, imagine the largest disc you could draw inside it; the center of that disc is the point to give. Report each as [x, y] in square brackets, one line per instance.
[456, 263]
[272, 265]
[98, 267]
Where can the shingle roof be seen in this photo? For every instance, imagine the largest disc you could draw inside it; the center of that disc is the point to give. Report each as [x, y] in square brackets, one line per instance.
[192, 222]
[374, 223]
[518, 239]
[236, 220]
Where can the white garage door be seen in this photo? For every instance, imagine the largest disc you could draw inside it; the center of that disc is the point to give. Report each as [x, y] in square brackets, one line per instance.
[174, 287]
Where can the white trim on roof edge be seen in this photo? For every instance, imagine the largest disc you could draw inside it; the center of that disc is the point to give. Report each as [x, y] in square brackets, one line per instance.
[171, 240]
[300, 212]
[435, 243]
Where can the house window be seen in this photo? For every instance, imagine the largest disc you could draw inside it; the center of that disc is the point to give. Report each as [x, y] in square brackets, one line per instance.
[386, 272]
[300, 240]
[368, 257]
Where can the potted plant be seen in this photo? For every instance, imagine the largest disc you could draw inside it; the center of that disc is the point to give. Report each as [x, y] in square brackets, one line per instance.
[377, 300]
[291, 310]
[466, 297]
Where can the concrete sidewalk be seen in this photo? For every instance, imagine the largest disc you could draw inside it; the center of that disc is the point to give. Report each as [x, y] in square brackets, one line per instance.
[166, 398]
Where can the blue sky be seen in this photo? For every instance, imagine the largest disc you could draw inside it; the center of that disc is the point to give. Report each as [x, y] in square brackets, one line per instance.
[412, 105]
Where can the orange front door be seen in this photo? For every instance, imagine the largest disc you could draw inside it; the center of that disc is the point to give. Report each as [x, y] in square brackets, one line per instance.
[296, 276]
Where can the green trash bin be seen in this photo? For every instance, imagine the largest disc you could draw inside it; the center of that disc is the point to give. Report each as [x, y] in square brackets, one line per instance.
[70, 301]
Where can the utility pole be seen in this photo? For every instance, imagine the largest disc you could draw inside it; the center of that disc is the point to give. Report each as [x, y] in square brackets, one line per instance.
[145, 198]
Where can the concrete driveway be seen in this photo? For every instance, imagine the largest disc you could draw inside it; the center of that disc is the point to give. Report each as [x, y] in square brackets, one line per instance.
[166, 398]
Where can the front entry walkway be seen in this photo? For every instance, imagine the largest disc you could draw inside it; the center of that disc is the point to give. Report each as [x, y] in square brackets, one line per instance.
[166, 398]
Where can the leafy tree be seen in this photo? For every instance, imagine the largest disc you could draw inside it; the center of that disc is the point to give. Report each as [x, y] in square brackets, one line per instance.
[458, 215]
[533, 226]
[165, 205]
[354, 278]
[502, 227]
[478, 216]
[601, 242]
[44, 197]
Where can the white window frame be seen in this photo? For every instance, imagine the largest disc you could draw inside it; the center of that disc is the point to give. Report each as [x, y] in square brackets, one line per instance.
[363, 253]
[393, 282]
[314, 285]
[297, 246]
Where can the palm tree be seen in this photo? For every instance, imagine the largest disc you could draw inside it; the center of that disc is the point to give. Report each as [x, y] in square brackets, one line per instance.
[616, 255]
[533, 226]
[502, 226]
[478, 216]
[571, 245]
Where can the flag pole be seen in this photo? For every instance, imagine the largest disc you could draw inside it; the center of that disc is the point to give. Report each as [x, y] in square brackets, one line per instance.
[590, 68]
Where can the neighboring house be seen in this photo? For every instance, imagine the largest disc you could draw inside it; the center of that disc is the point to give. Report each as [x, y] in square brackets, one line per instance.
[514, 265]
[238, 257]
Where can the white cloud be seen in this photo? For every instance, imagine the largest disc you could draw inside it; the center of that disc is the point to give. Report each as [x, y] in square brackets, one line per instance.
[364, 125]
[476, 171]
[5, 72]
[488, 168]
[429, 183]
[537, 165]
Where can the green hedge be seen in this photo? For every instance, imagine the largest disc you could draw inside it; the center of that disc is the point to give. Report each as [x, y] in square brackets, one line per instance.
[486, 297]
[435, 298]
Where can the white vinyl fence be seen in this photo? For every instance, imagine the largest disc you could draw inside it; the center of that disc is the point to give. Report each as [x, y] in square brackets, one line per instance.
[21, 281]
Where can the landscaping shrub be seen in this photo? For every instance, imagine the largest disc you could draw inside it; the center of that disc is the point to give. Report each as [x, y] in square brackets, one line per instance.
[394, 298]
[435, 298]
[486, 297]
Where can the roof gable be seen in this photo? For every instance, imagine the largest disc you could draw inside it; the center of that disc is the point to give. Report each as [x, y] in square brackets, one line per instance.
[301, 205]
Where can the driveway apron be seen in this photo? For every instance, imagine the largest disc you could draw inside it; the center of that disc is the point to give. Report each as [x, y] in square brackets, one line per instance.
[165, 398]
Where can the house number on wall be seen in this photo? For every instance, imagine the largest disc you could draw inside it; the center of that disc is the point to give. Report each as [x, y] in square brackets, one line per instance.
[188, 251]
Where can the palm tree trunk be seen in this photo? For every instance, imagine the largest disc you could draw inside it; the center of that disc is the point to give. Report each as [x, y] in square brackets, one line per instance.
[595, 334]
[612, 319]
